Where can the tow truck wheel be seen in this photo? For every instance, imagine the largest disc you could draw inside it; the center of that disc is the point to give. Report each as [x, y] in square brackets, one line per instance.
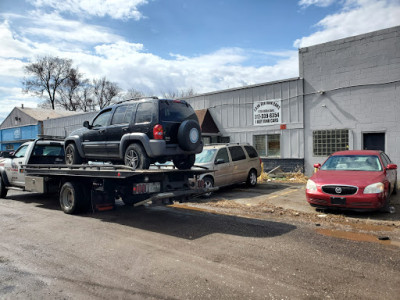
[72, 156]
[3, 190]
[72, 198]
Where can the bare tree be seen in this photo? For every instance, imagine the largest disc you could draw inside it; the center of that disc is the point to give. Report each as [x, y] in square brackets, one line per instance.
[104, 91]
[174, 94]
[84, 97]
[69, 91]
[46, 77]
[133, 93]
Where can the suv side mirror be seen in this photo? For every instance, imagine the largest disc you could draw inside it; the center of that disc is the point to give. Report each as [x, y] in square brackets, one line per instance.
[317, 166]
[86, 124]
[220, 161]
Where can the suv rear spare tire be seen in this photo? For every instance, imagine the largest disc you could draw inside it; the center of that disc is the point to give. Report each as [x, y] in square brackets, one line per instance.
[189, 135]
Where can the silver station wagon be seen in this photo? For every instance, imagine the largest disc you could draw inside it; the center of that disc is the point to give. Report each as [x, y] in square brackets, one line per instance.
[231, 163]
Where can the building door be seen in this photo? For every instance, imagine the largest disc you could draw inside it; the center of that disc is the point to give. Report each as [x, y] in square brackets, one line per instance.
[374, 141]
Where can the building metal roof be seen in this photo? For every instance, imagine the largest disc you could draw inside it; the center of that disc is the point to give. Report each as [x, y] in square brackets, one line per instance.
[42, 114]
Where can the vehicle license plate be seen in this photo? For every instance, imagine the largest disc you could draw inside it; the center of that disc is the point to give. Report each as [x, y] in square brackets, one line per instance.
[153, 187]
[338, 200]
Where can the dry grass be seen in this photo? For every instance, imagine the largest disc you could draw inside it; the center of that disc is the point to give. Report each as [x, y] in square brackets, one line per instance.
[295, 177]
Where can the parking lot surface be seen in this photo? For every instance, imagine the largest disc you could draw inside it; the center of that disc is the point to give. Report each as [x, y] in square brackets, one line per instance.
[231, 246]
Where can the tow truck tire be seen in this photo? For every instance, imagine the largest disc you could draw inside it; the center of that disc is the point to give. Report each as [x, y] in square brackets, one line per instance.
[184, 163]
[136, 157]
[72, 156]
[3, 190]
[72, 198]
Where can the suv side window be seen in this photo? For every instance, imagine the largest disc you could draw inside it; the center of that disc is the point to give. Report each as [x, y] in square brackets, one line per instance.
[102, 119]
[251, 151]
[118, 117]
[129, 114]
[144, 113]
[222, 154]
[237, 153]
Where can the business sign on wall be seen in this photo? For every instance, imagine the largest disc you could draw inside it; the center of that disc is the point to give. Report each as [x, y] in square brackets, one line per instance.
[267, 112]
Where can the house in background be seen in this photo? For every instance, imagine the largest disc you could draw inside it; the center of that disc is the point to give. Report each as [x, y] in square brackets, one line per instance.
[25, 124]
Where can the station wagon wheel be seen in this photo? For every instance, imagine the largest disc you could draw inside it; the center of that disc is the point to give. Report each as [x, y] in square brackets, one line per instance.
[136, 157]
[208, 183]
[72, 156]
[252, 178]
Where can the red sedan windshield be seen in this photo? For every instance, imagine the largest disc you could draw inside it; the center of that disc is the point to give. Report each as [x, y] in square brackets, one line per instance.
[352, 163]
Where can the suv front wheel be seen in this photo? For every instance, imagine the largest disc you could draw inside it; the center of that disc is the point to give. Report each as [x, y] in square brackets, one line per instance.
[136, 157]
[72, 156]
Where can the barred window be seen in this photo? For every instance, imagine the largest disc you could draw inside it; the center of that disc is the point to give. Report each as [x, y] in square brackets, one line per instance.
[259, 142]
[326, 142]
[274, 145]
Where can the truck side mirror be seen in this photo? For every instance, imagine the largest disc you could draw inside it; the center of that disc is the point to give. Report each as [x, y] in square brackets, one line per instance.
[86, 124]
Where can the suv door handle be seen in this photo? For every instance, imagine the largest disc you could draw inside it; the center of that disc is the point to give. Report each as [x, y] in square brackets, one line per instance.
[125, 129]
[102, 130]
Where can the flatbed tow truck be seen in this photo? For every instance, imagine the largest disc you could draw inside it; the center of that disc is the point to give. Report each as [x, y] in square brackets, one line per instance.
[38, 166]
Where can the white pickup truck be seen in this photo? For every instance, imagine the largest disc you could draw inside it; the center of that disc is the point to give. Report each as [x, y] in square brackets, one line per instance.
[40, 152]
[38, 166]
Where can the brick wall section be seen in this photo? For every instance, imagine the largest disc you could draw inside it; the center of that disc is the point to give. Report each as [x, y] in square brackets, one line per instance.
[286, 164]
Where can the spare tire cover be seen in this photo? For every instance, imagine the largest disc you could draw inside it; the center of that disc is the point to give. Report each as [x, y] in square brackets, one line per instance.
[189, 135]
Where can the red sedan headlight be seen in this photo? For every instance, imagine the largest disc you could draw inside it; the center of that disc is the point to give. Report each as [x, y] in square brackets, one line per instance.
[375, 188]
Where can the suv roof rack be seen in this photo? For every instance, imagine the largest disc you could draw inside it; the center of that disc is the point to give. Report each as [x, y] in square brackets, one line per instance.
[49, 137]
[136, 98]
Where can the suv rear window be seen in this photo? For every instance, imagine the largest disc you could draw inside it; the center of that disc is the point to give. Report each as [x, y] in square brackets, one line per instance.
[251, 151]
[176, 111]
[237, 153]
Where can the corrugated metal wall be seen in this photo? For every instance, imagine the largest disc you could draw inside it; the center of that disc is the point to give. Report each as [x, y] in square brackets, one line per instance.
[232, 111]
[64, 126]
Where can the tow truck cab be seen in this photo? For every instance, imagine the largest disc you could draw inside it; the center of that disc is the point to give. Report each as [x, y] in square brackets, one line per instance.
[42, 152]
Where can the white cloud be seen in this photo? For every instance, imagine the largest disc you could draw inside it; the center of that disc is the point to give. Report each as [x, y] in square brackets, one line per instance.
[12, 97]
[116, 9]
[55, 28]
[10, 45]
[356, 17]
[321, 3]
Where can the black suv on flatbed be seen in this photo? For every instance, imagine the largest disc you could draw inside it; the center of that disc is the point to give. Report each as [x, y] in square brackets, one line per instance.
[139, 132]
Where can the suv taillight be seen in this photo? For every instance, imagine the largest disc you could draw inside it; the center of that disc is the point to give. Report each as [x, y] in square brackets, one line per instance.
[158, 132]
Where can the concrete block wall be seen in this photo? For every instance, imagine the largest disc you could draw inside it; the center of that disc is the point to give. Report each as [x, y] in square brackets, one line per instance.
[354, 84]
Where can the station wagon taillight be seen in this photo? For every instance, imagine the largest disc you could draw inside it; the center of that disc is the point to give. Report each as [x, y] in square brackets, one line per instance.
[158, 132]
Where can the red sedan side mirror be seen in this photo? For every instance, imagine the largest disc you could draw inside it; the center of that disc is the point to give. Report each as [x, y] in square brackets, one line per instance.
[317, 166]
[391, 167]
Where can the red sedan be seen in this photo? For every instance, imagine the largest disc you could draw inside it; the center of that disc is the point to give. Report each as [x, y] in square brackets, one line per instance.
[354, 179]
